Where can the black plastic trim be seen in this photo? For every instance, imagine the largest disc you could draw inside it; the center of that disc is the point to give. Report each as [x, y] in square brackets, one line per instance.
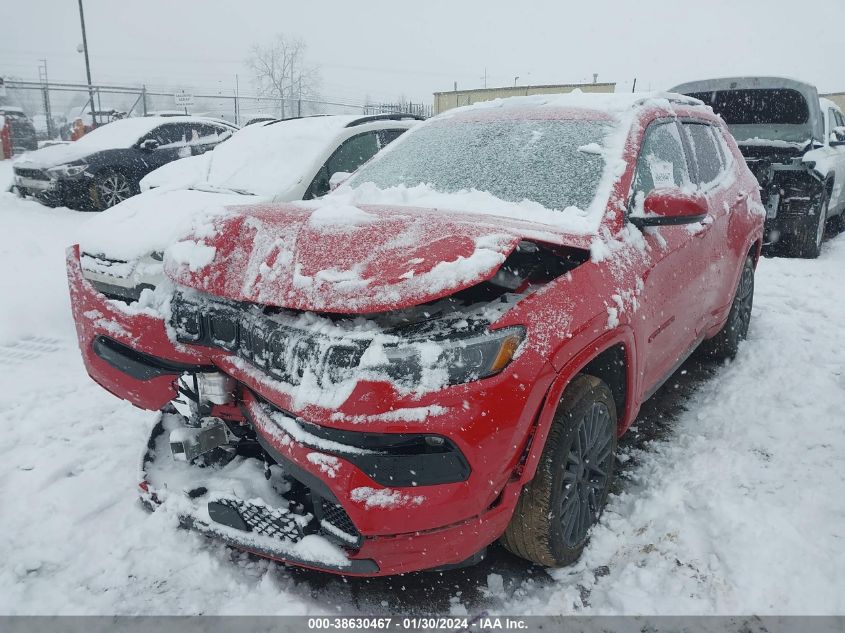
[394, 461]
[119, 293]
[137, 364]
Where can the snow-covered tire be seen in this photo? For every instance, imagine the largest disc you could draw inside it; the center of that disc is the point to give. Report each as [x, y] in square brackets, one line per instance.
[557, 508]
[110, 188]
[725, 344]
[807, 241]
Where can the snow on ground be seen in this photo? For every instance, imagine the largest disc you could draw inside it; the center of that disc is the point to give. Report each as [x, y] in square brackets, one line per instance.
[737, 509]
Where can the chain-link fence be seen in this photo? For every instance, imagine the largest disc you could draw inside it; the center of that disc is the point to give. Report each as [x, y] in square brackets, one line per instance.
[53, 107]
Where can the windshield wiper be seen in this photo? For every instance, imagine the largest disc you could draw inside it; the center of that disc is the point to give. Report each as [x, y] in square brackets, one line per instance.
[215, 189]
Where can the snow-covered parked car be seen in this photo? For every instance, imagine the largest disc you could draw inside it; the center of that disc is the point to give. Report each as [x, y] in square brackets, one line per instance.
[794, 142]
[280, 161]
[442, 351]
[105, 166]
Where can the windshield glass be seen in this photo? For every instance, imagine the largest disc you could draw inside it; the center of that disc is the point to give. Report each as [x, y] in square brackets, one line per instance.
[513, 160]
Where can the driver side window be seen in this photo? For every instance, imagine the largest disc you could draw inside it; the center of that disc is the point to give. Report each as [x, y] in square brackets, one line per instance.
[662, 162]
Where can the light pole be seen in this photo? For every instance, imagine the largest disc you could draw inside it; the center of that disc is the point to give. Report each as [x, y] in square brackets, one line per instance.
[515, 79]
[87, 64]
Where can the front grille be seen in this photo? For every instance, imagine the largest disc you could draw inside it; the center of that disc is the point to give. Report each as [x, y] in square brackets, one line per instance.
[286, 353]
[34, 174]
[272, 522]
[336, 515]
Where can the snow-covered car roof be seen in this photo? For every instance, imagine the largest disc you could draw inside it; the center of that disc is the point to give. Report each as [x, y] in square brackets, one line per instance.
[269, 158]
[121, 134]
[812, 128]
[611, 104]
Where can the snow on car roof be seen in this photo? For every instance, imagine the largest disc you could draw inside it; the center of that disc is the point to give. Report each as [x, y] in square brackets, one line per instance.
[126, 132]
[613, 103]
[271, 158]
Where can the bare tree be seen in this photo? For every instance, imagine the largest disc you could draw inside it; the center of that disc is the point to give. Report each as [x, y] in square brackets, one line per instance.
[282, 72]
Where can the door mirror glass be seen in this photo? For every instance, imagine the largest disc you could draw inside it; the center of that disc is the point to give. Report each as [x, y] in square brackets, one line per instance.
[670, 206]
[838, 135]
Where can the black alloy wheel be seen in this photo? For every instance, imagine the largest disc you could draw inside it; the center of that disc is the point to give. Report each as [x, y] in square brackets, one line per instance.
[551, 522]
[111, 189]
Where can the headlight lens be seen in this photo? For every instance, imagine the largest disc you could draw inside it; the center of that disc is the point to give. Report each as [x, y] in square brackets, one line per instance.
[463, 359]
[68, 170]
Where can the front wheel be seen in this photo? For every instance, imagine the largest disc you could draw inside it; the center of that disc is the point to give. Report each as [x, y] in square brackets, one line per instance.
[110, 189]
[557, 508]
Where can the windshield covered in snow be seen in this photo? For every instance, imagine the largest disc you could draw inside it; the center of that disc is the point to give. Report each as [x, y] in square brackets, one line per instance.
[556, 163]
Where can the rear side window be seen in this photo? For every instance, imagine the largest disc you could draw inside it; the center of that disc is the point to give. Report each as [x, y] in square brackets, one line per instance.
[707, 154]
[662, 162]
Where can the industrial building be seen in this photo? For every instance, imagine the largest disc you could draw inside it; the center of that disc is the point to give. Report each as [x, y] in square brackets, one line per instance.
[455, 98]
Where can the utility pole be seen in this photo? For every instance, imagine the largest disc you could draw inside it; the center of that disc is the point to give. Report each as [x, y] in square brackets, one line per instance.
[87, 64]
[299, 107]
[237, 105]
[45, 89]
[485, 76]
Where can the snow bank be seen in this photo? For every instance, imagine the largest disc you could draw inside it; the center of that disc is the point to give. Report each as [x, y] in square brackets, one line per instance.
[178, 174]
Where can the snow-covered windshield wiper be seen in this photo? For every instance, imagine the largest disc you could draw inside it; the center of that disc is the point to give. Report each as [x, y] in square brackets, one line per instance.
[205, 186]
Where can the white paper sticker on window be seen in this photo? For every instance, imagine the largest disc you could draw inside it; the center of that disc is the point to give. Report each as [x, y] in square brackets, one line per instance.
[662, 172]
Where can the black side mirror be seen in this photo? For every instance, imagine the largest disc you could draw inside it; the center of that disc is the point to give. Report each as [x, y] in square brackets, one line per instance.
[149, 145]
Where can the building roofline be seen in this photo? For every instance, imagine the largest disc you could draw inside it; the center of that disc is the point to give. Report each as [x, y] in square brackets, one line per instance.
[451, 92]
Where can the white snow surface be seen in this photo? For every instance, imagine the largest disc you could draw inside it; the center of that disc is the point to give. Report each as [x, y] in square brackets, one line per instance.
[740, 509]
[272, 158]
[152, 221]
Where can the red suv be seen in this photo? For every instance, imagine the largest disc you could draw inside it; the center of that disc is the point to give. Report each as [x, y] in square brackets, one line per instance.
[443, 351]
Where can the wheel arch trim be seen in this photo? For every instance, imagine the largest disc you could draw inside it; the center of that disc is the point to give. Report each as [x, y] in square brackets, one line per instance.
[622, 336]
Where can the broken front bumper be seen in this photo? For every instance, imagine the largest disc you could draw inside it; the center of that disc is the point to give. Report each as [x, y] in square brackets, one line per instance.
[260, 509]
[127, 350]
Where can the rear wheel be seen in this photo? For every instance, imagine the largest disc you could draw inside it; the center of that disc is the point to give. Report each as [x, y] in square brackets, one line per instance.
[111, 188]
[557, 508]
[725, 344]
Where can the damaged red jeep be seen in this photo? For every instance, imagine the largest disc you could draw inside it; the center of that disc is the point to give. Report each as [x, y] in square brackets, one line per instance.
[443, 351]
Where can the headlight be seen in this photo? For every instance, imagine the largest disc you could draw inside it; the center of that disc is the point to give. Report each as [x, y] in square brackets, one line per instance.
[463, 359]
[68, 170]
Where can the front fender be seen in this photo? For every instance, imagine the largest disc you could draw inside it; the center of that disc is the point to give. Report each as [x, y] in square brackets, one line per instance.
[623, 335]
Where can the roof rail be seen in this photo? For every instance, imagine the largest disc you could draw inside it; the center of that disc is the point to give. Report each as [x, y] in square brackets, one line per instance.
[671, 97]
[391, 116]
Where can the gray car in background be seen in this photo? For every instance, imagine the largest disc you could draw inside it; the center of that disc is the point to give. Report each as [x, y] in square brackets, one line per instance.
[794, 143]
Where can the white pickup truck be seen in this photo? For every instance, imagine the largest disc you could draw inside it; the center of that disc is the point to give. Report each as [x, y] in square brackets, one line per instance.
[794, 143]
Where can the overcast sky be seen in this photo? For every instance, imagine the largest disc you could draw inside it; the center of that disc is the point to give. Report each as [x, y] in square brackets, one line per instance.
[387, 49]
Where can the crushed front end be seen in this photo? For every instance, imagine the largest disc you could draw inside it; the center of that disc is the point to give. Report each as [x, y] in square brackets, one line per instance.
[368, 444]
[790, 187]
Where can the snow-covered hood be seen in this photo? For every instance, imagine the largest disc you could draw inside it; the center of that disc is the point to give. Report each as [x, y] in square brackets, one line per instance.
[151, 221]
[348, 259]
[53, 155]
